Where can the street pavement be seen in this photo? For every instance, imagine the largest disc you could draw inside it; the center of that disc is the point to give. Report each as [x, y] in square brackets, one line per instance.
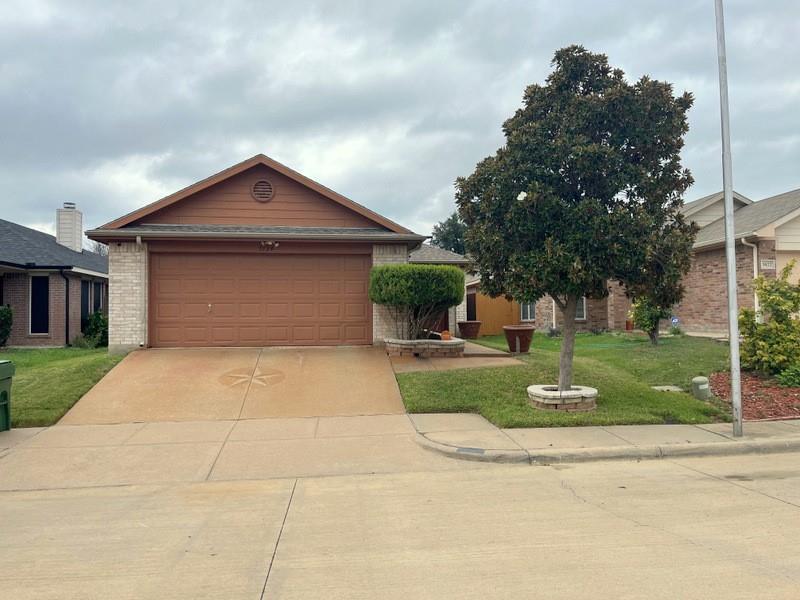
[337, 508]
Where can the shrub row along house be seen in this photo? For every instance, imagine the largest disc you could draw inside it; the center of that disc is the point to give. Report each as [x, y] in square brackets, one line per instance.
[767, 238]
[256, 255]
[50, 283]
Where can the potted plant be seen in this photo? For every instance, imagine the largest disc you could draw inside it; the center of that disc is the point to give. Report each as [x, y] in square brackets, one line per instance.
[518, 338]
[469, 329]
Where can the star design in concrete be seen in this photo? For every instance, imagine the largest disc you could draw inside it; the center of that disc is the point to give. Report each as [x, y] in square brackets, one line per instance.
[263, 378]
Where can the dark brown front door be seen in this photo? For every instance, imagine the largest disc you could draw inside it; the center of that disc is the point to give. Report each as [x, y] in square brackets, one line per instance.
[259, 300]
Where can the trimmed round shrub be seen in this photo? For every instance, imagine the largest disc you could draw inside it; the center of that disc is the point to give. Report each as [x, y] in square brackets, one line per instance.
[415, 294]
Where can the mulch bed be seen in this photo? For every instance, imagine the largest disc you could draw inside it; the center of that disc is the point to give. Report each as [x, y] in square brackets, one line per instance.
[762, 397]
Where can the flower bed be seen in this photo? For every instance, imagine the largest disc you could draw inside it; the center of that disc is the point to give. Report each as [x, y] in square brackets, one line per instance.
[453, 348]
[762, 397]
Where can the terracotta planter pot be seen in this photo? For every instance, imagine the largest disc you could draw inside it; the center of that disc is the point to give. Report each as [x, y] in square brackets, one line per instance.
[518, 337]
[469, 329]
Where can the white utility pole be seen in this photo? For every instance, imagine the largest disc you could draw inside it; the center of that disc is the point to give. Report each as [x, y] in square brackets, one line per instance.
[730, 232]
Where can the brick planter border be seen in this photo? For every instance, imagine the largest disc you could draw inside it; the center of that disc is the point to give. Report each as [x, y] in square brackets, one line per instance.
[425, 348]
[547, 397]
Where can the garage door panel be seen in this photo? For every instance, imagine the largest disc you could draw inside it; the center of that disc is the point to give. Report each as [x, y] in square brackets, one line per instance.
[259, 300]
[195, 286]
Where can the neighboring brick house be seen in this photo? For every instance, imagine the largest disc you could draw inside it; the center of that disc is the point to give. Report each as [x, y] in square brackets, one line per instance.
[255, 255]
[767, 238]
[51, 283]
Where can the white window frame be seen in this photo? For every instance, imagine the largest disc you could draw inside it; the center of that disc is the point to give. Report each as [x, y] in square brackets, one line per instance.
[585, 309]
[531, 311]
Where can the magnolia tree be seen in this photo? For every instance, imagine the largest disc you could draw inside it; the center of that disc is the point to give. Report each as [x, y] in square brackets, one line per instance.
[589, 179]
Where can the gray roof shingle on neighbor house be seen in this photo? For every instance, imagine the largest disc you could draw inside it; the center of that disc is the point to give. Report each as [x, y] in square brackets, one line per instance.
[749, 219]
[692, 207]
[434, 255]
[28, 248]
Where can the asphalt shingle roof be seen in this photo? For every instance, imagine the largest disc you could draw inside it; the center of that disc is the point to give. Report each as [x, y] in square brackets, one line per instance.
[432, 254]
[751, 218]
[28, 248]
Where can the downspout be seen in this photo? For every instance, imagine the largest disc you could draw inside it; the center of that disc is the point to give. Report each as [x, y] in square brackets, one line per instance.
[755, 274]
[555, 322]
[66, 307]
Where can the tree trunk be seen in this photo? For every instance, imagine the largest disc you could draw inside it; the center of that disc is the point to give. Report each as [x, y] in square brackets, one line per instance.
[567, 345]
[653, 335]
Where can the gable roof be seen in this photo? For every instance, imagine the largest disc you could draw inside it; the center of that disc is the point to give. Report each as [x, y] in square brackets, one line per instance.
[694, 206]
[433, 255]
[258, 159]
[748, 220]
[27, 248]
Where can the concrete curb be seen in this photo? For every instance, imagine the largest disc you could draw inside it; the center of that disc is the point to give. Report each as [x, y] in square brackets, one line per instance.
[578, 455]
[474, 454]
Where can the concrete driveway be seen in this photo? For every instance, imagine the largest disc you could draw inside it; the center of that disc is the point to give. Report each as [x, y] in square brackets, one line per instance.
[241, 383]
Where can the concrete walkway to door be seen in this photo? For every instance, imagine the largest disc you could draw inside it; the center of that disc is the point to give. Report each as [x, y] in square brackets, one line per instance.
[241, 383]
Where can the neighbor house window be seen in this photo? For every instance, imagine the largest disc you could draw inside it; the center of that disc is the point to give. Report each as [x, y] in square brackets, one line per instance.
[580, 312]
[40, 304]
[527, 311]
[98, 296]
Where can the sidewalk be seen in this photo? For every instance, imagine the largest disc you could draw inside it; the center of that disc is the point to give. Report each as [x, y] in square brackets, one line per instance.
[471, 437]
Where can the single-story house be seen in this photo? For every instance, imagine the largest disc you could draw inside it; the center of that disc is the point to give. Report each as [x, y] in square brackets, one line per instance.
[605, 313]
[255, 255]
[768, 237]
[50, 282]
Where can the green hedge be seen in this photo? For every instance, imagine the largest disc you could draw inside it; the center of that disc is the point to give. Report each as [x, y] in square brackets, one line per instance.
[416, 285]
[6, 318]
[416, 294]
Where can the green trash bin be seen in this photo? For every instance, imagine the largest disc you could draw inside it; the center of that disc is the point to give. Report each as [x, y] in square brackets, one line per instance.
[6, 373]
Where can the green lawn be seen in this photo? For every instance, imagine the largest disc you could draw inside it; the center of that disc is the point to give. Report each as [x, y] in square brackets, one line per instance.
[49, 381]
[621, 366]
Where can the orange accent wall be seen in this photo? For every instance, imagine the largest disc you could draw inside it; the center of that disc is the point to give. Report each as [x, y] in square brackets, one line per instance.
[494, 313]
[230, 203]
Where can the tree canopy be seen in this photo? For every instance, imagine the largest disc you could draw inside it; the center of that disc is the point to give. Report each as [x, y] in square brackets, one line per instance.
[586, 188]
[449, 234]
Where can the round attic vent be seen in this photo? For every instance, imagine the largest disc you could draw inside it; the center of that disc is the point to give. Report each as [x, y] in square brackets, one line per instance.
[262, 190]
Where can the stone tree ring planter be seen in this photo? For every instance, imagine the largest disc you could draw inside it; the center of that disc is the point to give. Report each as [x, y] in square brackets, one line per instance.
[518, 338]
[578, 399]
[453, 348]
[469, 329]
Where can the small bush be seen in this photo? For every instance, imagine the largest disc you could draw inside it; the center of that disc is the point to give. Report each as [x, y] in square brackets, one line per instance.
[790, 377]
[772, 345]
[6, 319]
[554, 332]
[675, 330]
[97, 329]
[415, 294]
[81, 341]
[597, 330]
[646, 316]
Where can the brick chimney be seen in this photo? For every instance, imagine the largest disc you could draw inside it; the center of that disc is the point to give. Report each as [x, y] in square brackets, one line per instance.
[69, 227]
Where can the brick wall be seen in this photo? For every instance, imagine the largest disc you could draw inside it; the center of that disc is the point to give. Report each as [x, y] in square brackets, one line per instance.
[705, 304]
[596, 315]
[16, 293]
[127, 314]
[382, 323]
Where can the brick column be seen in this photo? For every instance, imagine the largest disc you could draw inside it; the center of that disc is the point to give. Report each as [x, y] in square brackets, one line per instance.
[128, 282]
[382, 322]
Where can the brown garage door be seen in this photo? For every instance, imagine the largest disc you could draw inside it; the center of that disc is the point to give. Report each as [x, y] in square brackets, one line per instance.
[259, 300]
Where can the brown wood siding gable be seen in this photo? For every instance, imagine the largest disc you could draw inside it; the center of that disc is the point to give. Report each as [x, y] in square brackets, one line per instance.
[231, 203]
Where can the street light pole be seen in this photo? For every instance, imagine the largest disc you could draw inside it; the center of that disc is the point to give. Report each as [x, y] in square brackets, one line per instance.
[730, 239]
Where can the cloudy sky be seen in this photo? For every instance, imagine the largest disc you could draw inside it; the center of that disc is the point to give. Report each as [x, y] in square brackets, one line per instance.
[113, 104]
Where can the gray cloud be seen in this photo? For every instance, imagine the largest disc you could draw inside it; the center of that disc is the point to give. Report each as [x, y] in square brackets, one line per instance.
[114, 104]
